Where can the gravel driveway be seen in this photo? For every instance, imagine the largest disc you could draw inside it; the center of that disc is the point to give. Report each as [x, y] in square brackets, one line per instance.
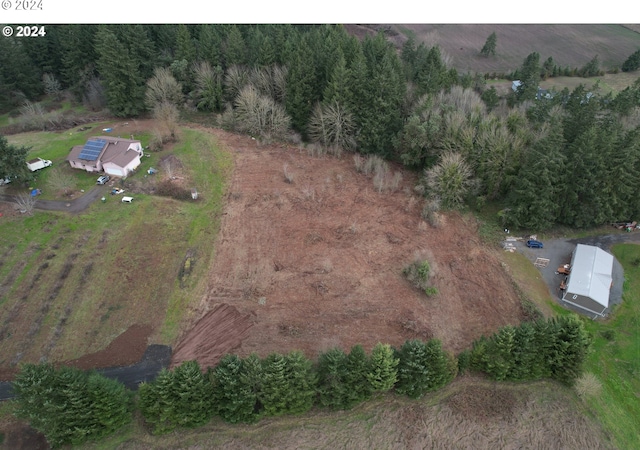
[558, 252]
[72, 206]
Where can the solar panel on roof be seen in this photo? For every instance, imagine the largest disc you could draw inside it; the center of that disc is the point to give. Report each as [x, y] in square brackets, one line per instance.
[92, 149]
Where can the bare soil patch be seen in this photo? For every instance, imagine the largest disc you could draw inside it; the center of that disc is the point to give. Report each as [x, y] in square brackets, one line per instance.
[124, 350]
[317, 263]
[217, 333]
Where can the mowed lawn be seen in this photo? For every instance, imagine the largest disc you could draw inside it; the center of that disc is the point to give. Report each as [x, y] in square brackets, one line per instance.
[70, 284]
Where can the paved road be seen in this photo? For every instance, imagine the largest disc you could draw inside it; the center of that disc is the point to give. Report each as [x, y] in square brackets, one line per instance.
[72, 206]
[559, 251]
[155, 358]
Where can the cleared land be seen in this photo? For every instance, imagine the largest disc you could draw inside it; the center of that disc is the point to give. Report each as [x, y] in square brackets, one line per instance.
[317, 263]
[570, 45]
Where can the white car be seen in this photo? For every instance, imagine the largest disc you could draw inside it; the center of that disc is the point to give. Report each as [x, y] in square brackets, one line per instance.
[127, 199]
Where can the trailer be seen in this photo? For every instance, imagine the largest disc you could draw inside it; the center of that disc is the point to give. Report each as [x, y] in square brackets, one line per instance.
[37, 164]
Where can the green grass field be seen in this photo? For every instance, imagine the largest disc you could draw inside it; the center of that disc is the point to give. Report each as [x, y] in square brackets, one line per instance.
[615, 359]
[71, 284]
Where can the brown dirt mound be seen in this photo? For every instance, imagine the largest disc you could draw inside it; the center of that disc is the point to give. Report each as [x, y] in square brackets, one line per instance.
[318, 262]
[216, 334]
[125, 350]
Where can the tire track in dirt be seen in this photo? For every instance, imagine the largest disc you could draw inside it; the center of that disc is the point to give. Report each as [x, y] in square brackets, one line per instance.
[6, 285]
[41, 314]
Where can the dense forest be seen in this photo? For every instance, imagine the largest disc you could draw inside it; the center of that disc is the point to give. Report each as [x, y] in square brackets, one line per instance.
[571, 159]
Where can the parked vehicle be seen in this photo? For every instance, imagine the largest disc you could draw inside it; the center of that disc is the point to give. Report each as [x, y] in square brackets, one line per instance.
[127, 199]
[5, 180]
[531, 243]
[37, 164]
[103, 179]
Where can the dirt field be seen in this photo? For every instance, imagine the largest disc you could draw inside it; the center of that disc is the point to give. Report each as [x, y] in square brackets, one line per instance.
[317, 263]
[571, 45]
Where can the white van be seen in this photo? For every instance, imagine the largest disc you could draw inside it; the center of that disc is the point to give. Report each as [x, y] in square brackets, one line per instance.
[127, 199]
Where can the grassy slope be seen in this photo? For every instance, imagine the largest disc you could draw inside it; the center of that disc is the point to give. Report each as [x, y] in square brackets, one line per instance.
[121, 262]
[616, 363]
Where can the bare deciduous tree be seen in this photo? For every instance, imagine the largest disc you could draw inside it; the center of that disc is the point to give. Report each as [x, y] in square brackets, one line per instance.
[449, 180]
[167, 116]
[163, 88]
[51, 85]
[25, 203]
[236, 78]
[94, 96]
[333, 127]
[260, 115]
[208, 86]
[58, 181]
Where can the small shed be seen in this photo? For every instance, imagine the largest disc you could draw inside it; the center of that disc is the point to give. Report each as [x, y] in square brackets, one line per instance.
[589, 283]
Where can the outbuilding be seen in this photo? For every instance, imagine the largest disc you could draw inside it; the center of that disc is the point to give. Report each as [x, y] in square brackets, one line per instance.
[589, 284]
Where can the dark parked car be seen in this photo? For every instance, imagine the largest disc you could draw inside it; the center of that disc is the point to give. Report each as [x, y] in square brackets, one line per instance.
[103, 179]
[534, 244]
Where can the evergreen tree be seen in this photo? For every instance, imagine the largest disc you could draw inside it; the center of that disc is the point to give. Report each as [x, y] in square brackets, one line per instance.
[423, 367]
[498, 359]
[383, 368]
[210, 44]
[124, 87]
[185, 46]
[275, 386]
[534, 202]
[70, 406]
[235, 51]
[632, 62]
[12, 161]
[489, 47]
[234, 398]
[355, 379]
[141, 49]
[78, 52]
[569, 347]
[302, 383]
[332, 390]
[301, 82]
[525, 357]
[378, 112]
[530, 78]
[155, 401]
[20, 79]
[490, 98]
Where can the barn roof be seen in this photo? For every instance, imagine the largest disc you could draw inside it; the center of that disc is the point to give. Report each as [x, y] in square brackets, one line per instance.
[591, 274]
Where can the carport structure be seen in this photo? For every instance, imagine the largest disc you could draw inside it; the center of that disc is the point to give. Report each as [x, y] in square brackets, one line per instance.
[590, 280]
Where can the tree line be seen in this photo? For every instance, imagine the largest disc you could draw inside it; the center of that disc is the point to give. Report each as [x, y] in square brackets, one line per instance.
[70, 406]
[569, 159]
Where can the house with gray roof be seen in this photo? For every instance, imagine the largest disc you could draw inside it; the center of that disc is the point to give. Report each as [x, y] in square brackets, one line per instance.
[114, 156]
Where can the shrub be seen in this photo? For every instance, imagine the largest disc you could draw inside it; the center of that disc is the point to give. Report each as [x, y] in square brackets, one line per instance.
[588, 385]
[418, 273]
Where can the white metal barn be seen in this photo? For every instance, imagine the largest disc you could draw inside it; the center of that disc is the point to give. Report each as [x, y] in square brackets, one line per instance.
[590, 280]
